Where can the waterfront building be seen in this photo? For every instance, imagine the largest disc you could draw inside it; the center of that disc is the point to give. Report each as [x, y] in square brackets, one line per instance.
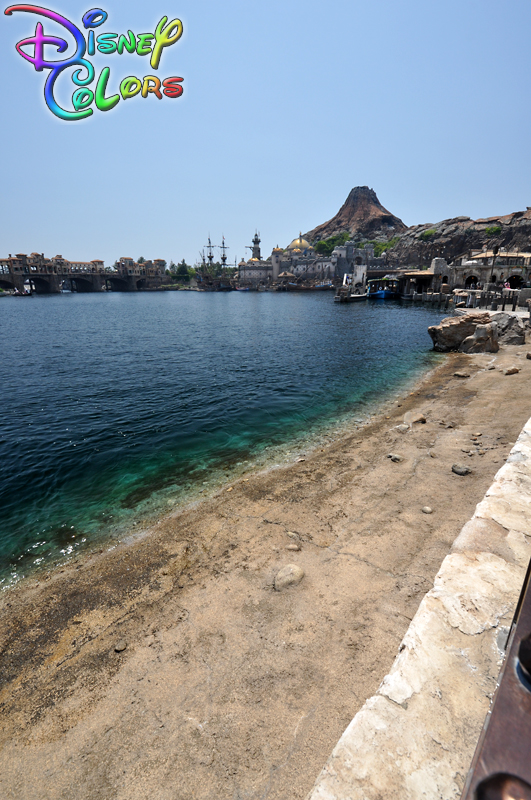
[484, 267]
[144, 269]
[36, 263]
[48, 275]
[300, 260]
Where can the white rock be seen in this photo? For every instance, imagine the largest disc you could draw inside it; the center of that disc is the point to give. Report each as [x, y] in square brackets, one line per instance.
[290, 575]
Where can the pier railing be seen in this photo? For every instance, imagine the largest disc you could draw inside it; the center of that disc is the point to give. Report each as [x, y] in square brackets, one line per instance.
[496, 300]
[500, 300]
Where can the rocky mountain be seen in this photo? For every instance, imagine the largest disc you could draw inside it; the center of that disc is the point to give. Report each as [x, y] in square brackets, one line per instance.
[458, 236]
[363, 216]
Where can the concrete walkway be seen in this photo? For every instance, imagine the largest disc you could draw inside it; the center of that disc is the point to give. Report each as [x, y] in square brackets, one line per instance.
[416, 736]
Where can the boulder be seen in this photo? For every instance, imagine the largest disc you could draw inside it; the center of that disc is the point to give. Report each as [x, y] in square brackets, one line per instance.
[452, 331]
[511, 329]
[483, 340]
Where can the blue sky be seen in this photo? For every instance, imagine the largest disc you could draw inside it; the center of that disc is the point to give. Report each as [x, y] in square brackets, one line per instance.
[286, 106]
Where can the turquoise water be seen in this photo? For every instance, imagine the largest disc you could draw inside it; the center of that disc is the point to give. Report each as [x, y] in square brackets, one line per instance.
[119, 406]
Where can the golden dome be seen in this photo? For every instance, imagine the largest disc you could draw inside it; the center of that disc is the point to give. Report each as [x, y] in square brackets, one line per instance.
[300, 244]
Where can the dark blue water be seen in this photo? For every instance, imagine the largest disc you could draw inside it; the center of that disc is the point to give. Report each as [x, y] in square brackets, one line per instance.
[118, 406]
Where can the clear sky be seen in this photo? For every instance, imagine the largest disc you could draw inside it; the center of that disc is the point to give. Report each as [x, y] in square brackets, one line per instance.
[287, 105]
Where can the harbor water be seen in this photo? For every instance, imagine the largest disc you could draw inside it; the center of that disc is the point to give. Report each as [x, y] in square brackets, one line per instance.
[117, 408]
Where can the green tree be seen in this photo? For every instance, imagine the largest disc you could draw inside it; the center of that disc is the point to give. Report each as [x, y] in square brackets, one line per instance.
[182, 272]
[326, 246]
[141, 260]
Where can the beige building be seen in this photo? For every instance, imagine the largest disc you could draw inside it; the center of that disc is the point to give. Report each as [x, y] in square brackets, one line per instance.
[484, 268]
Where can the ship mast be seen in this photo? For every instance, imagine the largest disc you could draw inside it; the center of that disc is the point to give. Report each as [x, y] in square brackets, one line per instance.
[210, 254]
[223, 248]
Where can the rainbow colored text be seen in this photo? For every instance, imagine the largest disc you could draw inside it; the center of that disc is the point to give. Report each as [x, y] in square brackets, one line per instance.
[84, 98]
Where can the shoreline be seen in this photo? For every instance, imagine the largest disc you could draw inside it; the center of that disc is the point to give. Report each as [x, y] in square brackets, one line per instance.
[273, 456]
[172, 656]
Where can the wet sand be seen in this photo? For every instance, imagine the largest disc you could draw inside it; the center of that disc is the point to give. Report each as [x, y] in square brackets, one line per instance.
[170, 668]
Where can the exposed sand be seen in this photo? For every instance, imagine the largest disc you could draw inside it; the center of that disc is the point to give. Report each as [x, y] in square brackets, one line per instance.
[226, 688]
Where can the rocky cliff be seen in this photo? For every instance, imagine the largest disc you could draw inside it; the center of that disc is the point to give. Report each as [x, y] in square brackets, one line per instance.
[363, 216]
[458, 236]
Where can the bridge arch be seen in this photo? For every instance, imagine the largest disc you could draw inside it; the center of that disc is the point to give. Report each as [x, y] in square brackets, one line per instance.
[115, 284]
[39, 285]
[82, 285]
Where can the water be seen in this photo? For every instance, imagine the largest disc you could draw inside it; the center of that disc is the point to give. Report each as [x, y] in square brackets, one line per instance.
[118, 406]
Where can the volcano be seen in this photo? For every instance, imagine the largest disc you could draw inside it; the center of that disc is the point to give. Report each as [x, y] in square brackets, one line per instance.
[363, 216]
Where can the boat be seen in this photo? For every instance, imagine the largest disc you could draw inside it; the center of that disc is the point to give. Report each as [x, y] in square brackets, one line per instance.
[383, 288]
[242, 289]
[348, 296]
[350, 292]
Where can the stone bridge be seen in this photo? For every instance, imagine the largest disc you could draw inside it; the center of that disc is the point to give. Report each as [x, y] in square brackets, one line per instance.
[50, 282]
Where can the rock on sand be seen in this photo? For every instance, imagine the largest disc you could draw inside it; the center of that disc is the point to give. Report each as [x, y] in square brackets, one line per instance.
[459, 469]
[290, 575]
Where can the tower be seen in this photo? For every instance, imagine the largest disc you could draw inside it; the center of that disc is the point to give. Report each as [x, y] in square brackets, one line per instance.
[256, 247]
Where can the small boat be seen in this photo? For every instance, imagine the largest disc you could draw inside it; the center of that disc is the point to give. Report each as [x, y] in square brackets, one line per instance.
[383, 288]
[242, 289]
[350, 292]
[348, 297]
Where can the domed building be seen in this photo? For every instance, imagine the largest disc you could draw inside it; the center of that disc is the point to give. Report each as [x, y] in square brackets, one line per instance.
[300, 245]
[300, 261]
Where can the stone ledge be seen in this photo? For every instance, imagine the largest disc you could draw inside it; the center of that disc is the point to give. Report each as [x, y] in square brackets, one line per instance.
[416, 737]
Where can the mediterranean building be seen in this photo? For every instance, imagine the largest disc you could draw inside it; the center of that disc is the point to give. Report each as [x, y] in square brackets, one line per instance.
[36, 263]
[149, 269]
[299, 260]
[484, 267]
